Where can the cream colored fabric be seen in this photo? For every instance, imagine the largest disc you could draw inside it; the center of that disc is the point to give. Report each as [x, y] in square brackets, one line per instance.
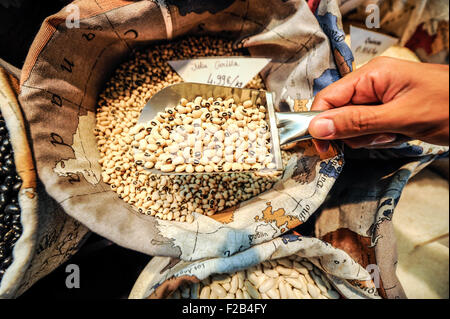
[423, 214]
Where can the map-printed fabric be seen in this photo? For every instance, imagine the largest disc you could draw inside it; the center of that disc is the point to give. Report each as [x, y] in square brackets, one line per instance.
[64, 73]
[163, 275]
[49, 236]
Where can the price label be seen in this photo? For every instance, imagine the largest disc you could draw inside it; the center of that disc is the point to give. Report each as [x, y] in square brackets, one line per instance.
[368, 44]
[224, 80]
[224, 71]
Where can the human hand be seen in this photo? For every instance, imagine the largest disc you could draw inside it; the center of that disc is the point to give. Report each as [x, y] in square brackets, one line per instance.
[384, 103]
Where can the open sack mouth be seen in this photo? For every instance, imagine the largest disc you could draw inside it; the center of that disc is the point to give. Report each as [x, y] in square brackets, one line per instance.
[128, 149]
[284, 278]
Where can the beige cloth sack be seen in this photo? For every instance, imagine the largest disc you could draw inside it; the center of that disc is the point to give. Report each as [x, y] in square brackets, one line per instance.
[49, 236]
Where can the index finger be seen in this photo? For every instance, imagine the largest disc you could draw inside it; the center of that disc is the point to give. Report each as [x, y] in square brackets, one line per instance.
[356, 88]
[337, 94]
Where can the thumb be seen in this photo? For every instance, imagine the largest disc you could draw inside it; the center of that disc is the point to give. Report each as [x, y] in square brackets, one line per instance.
[350, 121]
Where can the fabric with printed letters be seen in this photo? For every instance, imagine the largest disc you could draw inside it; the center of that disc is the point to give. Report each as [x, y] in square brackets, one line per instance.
[64, 73]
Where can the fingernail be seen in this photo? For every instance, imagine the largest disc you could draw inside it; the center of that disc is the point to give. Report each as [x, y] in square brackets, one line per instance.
[384, 139]
[323, 128]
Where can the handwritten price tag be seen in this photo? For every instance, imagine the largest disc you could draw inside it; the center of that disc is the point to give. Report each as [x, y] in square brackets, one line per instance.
[224, 71]
[368, 44]
[224, 80]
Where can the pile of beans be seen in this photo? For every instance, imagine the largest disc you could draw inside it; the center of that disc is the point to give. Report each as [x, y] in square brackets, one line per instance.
[206, 135]
[286, 278]
[120, 104]
[10, 183]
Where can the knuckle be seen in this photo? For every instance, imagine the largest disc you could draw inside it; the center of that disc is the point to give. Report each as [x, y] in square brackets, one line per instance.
[319, 97]
[377, 59]
[359, 121]
[376, 64]
[319, 103]
[380, 65]
[381, 60]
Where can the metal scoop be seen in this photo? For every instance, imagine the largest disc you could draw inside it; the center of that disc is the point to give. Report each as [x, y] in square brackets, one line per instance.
[284, 127]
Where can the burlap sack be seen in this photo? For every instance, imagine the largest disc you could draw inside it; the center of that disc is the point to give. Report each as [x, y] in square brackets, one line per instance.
[66, 67]
[49, 236]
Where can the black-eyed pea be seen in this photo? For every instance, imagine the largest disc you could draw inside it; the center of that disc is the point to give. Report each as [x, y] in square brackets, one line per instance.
[199, 168]
[239, 116]
[191, 140]
[178, 160]
[198, 100]
[173, 148]
[257, 166]
[190, 218]
[183, 101]
[158, 165]
[209, 169]
[241, 123]
[187, 121]
[216, 159]
[196, 114]
[178, 138]
[236, 167]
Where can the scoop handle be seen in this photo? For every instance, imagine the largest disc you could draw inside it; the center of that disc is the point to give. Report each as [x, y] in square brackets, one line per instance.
[293, 126]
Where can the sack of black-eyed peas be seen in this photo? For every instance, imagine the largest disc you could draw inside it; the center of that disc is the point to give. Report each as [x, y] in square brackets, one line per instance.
[94, 65]
[35, 236]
